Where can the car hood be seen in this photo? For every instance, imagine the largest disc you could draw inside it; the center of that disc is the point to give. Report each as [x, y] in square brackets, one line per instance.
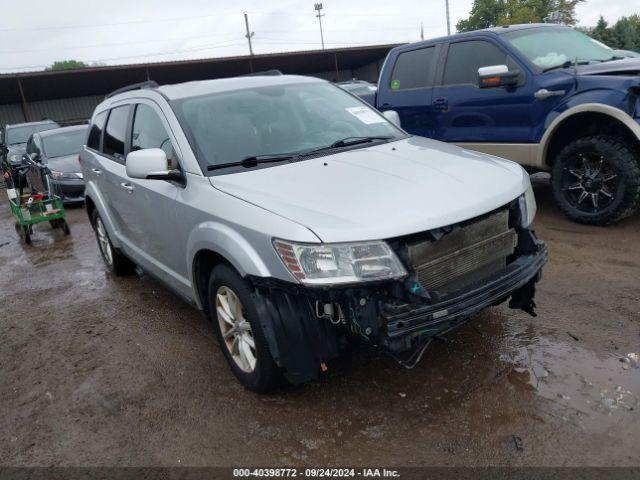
[66, 164]
[383, 191]
[626, 66]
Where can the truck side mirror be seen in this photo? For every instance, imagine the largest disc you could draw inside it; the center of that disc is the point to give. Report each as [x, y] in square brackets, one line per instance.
[497, 76]
[393, 117]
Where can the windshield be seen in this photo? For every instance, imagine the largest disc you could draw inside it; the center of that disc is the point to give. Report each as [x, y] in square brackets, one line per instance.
[285, 119]
[553, 47]
[64, 143]
[17, 135]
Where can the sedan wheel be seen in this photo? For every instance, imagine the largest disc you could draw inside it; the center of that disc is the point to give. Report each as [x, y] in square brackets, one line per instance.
[235, 329]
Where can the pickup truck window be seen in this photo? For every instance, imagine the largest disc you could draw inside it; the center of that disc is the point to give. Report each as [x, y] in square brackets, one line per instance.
[413, 69]
[116, 131]
[553, 47]
[465, 58]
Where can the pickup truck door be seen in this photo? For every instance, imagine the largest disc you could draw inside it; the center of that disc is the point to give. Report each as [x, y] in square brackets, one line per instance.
[465, 113]
[407, 88]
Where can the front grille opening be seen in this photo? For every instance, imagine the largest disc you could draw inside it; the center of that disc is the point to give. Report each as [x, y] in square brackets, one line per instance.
[465, 255]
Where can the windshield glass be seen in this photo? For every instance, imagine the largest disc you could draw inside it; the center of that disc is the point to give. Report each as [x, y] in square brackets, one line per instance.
[64, 143]
[552, 47]
[229, 127]
[17, 135]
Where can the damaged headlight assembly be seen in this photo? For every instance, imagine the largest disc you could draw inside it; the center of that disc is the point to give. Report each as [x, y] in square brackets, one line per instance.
[528, 207]
[339, 263]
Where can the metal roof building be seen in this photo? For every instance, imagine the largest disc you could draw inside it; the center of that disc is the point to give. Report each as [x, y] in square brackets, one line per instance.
[69, 96]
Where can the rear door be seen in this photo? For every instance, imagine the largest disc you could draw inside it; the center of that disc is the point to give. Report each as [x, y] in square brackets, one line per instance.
[466, 113]
[408, 89]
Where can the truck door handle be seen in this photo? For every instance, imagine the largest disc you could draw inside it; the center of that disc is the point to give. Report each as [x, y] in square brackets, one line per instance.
[441, 104]
[386, 105]
[127, 186]
[543, 93]
[97, 171]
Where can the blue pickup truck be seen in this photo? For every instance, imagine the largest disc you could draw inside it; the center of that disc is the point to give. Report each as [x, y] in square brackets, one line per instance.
[545, 96]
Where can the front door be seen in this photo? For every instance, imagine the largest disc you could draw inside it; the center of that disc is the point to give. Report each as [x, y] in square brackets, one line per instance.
[465, 113]
[147, 207]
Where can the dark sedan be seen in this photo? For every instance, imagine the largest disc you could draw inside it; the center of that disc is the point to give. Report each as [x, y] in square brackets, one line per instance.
[59, 149]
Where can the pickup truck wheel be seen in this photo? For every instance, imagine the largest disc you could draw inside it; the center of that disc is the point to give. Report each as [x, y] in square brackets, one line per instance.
[117, 263]
[239, 332]
[596, 180]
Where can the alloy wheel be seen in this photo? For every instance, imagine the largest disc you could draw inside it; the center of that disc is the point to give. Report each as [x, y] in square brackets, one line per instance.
[589, 183]
[103, 242]
[235, 329]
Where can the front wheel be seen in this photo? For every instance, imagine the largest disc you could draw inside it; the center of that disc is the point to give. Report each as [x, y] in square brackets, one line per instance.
[596, 180]
[239, 332]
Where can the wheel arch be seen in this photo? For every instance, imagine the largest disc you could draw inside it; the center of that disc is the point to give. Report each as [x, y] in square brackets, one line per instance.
[584, 120]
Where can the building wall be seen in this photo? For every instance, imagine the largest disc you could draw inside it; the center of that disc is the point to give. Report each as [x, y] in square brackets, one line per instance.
[77, 109]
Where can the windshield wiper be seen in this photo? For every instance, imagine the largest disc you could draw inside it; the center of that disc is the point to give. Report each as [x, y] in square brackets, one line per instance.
[346, 142]
[568, 64]
[254, 160]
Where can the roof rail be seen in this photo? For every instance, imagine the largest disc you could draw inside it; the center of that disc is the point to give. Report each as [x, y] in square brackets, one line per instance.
[263, 74]
[134, 86]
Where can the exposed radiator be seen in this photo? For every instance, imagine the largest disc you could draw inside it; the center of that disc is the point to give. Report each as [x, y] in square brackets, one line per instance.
[465, 255]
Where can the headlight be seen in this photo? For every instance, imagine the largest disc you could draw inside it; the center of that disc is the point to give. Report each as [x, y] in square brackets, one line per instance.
[528, 207]
[14, 158]
[65, 175]
[336, 263]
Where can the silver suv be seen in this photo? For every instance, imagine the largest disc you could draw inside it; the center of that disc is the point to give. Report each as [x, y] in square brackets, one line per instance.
[298, 217]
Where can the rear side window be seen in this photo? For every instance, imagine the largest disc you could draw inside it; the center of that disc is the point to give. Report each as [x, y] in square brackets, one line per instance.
[413, 69]
[116, 131]
[95, 133]
[465, 58]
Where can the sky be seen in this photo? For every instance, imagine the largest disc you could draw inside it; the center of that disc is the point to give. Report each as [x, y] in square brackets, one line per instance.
[35, 33]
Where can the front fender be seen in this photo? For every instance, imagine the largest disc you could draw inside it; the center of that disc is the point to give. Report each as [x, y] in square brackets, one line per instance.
[230, 244]
[555, 119]
[92, 192]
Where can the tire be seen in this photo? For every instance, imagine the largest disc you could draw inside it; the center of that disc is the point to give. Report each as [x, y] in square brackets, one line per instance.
[596, 180]
[263, 375]
[117, 263]
[27, 234]
[64, 226]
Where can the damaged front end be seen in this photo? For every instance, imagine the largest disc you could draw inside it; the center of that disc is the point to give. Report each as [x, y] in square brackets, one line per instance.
[452, 273]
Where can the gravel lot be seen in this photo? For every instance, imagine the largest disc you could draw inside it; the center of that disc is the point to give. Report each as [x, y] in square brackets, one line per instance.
[96, 370]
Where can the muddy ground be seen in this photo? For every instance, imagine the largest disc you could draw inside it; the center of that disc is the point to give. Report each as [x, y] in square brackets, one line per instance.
[97, 370]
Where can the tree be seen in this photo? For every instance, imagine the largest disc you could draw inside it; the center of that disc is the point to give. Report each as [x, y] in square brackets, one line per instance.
[491, 13]
[67, 65]
[624, 34]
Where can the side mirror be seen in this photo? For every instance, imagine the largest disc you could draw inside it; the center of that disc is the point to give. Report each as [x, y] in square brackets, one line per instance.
[497, 76]
[393, 117]
[35, 157]
[150, 164]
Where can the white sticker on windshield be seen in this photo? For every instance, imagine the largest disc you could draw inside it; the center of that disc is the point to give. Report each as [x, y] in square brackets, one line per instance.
[365, 115]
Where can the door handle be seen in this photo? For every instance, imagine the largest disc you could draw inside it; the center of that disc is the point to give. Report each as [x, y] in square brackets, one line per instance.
[97, 171]
[441, 104]
[543, 93]
[127, 186]
[386, 105]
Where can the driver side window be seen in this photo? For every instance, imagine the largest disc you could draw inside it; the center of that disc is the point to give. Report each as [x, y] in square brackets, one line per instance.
[149, 132]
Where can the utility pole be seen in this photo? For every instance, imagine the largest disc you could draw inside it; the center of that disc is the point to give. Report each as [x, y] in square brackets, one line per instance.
[448, 21]
[421, 31]
[318, 7]
[249, 34]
